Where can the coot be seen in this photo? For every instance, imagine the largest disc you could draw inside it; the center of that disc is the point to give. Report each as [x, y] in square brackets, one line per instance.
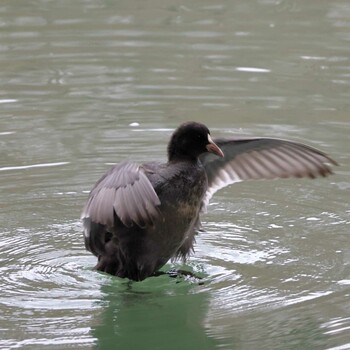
[138, 216]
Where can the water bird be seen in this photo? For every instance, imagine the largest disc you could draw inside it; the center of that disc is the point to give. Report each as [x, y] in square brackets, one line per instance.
[138, 216]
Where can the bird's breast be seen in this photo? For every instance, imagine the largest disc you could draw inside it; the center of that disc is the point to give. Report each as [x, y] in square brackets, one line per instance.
[182, 198]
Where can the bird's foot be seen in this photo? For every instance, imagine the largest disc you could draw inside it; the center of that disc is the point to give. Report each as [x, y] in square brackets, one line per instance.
[179, 273]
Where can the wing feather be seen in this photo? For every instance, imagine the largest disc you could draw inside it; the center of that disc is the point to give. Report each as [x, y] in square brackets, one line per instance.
[124, 191]
[262, 158]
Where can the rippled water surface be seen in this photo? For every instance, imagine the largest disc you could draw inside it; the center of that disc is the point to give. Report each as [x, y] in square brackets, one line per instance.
[88, 83]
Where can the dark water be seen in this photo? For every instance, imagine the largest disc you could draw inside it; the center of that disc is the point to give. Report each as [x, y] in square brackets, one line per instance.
[77, 76]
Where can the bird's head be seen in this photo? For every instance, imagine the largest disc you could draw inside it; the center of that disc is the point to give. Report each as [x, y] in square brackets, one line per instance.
[190, 140]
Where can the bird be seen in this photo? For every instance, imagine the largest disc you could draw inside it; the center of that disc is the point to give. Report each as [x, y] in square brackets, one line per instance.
[138, 216]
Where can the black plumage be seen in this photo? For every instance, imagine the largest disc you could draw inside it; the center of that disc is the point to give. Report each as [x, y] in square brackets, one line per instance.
[138, 216]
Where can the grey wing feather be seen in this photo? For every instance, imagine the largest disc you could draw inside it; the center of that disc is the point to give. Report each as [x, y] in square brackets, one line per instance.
[124, 191]
[262, 158]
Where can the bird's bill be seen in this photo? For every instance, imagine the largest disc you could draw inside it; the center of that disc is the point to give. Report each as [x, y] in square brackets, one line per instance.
[214, 148]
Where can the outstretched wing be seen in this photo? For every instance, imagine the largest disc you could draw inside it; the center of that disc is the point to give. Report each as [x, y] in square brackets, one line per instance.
[262, 158]
[124, 191]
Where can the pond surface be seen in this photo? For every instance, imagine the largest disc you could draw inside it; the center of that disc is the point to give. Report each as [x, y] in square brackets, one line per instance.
[88, 83]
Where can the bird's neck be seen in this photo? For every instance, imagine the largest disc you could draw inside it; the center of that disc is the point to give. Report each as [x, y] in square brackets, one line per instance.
[178, 153]
[179, 157]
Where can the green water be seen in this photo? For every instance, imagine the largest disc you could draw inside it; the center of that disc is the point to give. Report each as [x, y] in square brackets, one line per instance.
[75, 76]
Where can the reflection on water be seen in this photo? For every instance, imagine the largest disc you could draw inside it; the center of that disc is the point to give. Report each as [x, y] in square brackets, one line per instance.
[90, 83]
[172, 310]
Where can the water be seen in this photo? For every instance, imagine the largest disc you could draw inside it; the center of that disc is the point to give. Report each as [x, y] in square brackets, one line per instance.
[88, 83]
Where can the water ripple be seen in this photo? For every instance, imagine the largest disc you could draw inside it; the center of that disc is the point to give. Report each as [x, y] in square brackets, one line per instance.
[40, 276]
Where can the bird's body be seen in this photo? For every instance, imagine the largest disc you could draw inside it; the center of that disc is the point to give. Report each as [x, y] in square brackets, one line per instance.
[137, 252]
[138, 216]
